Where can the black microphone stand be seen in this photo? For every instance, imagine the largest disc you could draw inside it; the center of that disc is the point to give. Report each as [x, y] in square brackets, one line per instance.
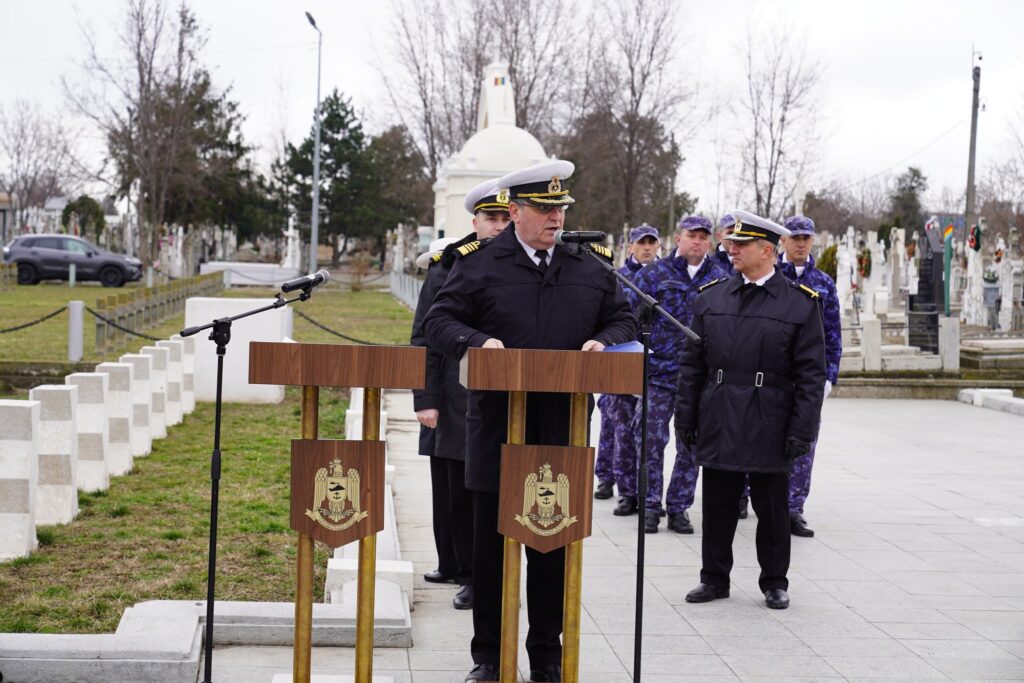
[649, 307]
[221, 335]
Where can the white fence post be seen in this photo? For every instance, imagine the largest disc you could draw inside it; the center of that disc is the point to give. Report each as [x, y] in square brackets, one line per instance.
[76, 318]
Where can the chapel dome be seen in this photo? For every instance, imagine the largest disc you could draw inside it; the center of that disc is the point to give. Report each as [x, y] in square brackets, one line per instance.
[496, 149]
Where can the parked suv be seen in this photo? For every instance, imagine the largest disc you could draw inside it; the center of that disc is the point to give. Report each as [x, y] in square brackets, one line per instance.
[49, 257]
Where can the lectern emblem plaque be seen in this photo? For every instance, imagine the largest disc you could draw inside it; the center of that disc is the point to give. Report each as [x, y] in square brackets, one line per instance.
[543, 493]
[336, 497]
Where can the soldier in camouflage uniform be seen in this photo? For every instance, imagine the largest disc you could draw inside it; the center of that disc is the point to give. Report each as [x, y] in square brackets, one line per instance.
[674, 282]
[616, 442]
[797, 264]
[725, 228]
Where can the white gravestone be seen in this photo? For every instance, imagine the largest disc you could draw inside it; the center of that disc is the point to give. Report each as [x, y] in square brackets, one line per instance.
[142, 403]
[188, 367]
[120, 413]
[174, 406]
[19, 476]
[272, 326]
[57, 490]
[93, 430]
[158, 385]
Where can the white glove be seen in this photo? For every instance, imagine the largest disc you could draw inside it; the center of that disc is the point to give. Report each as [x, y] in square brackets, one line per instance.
[828, 388]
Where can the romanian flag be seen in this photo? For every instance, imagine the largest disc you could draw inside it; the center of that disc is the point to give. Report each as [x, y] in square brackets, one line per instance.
[947, 234]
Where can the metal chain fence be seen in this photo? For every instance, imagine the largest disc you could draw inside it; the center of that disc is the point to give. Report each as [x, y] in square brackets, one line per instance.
[334, 332]
[121, 327]
[34, 322]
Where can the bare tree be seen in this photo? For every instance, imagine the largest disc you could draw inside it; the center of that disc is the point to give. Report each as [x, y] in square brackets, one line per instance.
[37, 158]
[778, 115]
[141, 104]
[442, 47]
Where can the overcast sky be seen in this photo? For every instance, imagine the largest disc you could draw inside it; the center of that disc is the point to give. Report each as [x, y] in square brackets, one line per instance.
[896, 89]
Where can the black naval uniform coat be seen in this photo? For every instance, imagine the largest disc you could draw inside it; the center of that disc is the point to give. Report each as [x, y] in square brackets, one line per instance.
[498, 291]
[442, 391]
[757, 377]
[776, 330]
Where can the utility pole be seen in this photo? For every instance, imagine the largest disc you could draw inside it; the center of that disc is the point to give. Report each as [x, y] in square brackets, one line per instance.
[671, 192]
[969, 215]
[314, 219]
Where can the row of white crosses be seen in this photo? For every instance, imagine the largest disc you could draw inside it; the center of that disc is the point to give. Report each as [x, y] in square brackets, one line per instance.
[75, 436]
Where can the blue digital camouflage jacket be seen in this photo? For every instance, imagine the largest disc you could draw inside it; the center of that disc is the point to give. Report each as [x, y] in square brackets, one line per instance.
[823, 285]
[669, 282]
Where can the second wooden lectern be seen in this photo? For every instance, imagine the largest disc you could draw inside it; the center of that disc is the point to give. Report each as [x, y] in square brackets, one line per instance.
[546, 492]
[337, 486]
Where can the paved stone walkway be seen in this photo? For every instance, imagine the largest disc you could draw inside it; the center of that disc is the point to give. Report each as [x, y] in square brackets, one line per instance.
[916, 572]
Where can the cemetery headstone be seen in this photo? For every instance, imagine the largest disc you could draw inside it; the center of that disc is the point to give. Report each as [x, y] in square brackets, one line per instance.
[57, 489]
[19, 477]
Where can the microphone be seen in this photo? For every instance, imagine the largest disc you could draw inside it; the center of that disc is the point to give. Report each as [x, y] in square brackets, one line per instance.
[579, 236]
[308, 282]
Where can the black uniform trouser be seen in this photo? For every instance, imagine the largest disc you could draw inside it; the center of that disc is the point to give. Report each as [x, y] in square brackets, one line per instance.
[769, 494]
[545, 574]
[453, 519]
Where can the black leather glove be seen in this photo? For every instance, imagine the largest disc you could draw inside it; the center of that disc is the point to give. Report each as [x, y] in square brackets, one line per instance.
[796, 447]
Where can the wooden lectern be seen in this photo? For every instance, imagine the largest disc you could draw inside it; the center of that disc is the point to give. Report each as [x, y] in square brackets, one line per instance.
[337, 486]
[546, 492]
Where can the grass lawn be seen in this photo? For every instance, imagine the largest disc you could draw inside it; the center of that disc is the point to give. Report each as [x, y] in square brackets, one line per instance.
[366, 315]
[146, 537]
[48, 341]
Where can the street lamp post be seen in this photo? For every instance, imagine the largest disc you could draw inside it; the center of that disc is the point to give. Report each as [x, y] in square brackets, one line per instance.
[314, 218]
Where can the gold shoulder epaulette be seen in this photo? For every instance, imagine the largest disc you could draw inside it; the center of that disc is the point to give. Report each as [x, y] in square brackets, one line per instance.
[436, 257]
[810, 292]
[468, 248]
[710, 284]
[602, 250]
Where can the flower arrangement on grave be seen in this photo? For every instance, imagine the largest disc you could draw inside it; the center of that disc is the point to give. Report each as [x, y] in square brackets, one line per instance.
[864, 263]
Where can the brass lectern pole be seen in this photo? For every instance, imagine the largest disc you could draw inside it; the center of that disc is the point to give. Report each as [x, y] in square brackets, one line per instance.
[573, 560]
[304, 560]
[513, 558]
[367, 556]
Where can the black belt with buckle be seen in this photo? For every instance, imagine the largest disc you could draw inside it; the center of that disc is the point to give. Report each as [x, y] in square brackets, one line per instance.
[755, 379]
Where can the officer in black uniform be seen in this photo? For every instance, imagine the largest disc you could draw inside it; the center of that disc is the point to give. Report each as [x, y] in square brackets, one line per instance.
[521, 290]
[441, 407]
[749, 398]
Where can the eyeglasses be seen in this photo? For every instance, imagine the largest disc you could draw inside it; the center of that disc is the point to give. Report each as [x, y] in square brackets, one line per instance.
[546, 209]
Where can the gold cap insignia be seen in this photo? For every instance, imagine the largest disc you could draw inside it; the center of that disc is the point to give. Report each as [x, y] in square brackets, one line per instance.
[555, 185]
[502, 197]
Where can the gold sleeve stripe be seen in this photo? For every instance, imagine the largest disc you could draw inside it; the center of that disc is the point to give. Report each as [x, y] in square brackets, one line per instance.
[468, 248]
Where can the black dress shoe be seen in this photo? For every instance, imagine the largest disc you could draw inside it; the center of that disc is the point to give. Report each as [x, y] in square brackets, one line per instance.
[483, 672]
[651, 521]
[798, 525]
[776, 598]
[743, 507]
[604, 490]
[552, 673]
[679, 522]
[706, 593]
[437, 577]
[464, 598]
[627, 506]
